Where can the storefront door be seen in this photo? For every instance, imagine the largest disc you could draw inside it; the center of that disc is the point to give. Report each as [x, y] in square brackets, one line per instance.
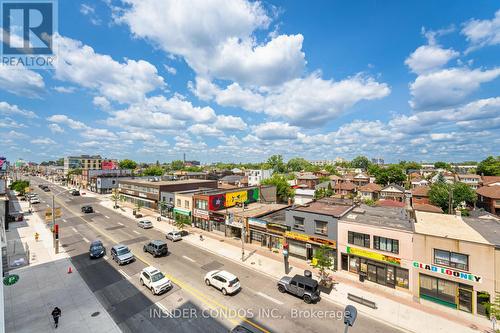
[465, 298]
[309, 252]
[381, 275]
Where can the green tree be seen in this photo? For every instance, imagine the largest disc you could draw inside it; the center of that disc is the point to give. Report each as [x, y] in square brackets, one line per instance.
[127, 164]
[442, 165]
[439, 195]
[361, 162]
[283, 189]
[297, 164]
[154, 171]
[440, 178]
[138, 205]
[489, 166]
[493, 307]
[323, 260]
[20, 186]
[276, 163]
[177, 165]
[60, 162]
[463, 193]
[392, 174]
[410, 165]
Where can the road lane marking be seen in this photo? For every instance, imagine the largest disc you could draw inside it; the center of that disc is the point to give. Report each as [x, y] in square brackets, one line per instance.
[274, 300]
[97, 211]
[74, 229]
[124, 274]
[187, 258]
[106, 216]
[48, 205]
[120, 223]
[162, 308]
[86, 240]
[64, 220]
[136, 232]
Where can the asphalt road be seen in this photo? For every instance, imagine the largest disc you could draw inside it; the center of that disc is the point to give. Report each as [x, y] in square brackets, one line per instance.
[190, 306]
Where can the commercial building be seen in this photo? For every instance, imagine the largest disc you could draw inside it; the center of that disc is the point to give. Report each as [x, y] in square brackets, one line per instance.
[149, 192]
[256, 176]
[453, 263]
[84, 162]
[183, 204]
[103, 181]
[269, 230]
[313, 225]
[376, 244]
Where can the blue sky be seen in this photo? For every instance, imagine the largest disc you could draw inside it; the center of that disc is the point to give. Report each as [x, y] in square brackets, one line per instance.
[242, 80]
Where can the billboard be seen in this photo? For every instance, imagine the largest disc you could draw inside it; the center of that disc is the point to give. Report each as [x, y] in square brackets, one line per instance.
[217, 202]
[109, 165]
[236, 197]
[230, 199]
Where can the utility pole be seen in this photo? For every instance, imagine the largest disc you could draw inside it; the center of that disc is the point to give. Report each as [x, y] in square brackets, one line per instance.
[243, 235]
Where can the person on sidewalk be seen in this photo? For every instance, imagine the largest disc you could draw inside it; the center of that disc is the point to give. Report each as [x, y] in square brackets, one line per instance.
[56, 313]
[37, 235]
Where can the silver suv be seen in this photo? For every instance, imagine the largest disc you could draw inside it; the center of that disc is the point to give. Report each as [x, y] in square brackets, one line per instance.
[121, 254]
[301, 286]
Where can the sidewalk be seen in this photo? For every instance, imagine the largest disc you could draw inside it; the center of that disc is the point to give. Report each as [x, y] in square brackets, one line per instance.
[45, 284]
[393, 306]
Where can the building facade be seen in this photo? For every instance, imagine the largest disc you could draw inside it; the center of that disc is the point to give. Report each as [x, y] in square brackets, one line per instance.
[84, 162]
[256, 176]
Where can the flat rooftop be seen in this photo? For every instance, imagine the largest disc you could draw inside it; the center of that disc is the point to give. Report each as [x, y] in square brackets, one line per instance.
[277, 217]
[487, 225]
[255, 209]
[447, 226]
[384, 217]
[165, 182]
[324, 208]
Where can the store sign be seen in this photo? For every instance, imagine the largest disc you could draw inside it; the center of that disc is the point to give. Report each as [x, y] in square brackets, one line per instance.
[182, 211]
[142, 195]
[234, 222]
[236, 197]
[373, 255]
[296, 236]
[200, 213]
[257, 222]
[307, 238]
[448, 271]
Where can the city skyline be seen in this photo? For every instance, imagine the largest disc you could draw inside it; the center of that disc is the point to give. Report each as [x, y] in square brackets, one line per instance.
[139, 80]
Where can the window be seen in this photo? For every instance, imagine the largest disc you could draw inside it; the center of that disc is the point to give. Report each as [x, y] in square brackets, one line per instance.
[358, 239]
[386, 244]
[451, 259]
[186, 204]
[201, 204]
[438, 289]
[321, 228]
[179, 202]
[402, 278]
[298, 223]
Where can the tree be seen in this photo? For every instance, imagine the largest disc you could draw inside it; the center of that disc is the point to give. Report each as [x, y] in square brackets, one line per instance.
[127, 164]
[361, 162]
[154, 171]
[276, 163]
[439, 195]
[410, 165]
[283, 189]
[440, 178]
[489, 166]
[177, 165]
[463, 193]
[493, 307]
[392, 174]
[60, 162]
[138, 206]
[20, 186]
[323, 261]
[297, 164]
[442, 165]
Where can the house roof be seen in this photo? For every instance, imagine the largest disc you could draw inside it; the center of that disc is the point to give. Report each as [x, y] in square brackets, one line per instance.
[232, 178]
[447, 226]
[307, 177]
[371, 187]
[469, 175]
[492, 192]
[427, 208]
[325, 208]
[390, 203]
[399, 188]
[421, 191]
[335, 177]
[387, 217]
[491, 179]
[487, 225]
[348, 186]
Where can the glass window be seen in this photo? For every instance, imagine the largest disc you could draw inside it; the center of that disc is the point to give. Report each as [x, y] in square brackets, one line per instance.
[186, 203]
[298, 223]
[402, 279]
[321, 227]
[179, 202]
[386, 244]
[451, 259]
[439, 289]
[358, 239]
[354, 264]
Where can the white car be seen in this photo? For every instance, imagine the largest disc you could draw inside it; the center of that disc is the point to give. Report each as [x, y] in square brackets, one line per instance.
[153, 279]
[145, 224]
[35, 200]
[226, 282]
[174, 236]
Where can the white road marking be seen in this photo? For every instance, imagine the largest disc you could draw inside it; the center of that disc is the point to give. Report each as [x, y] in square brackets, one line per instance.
[124, 274]
[120, 223]
[86, 240]
[106, 216]
[162, 308]
[135, 232]
[270, 298]
[64, 220]
[187, 258]
[48, 205]
[106, 258]
[97, 211]
[73, 228]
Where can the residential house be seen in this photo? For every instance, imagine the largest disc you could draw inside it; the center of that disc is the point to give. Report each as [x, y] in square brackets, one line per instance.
[425, 207]
[393, 192]
[418, 181]
[234, 180]
[490, 180]
[488, 198]
[369, 191]
[307, 179]
[303, 195]
[469, 179]
[361, 179]
[420, 195]
[255, 176]
[344, 189]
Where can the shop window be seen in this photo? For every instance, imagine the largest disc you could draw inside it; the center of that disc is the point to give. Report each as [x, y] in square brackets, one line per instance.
[402, 279]
[386, 244]
[321, 228]
[354, 264]
[439, 290]
[451, 259]
[358, 239]
[298, 223]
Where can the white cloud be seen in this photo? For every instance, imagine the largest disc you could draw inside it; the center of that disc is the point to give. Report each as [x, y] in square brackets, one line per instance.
[16, 135]
[204, 130]
[63, 119]
[230, 123]
[216, 38]
[442, 136]
[170, 70]
[123, 82]
[428, 58]
[98, 133]
[275, 131]
[21, 81]
[56, 129]
[10, 123]
[448, 87]
[14, 110]
[101, 102]
[480, 33]
[89, 11]
[43, 141]
[64, 90]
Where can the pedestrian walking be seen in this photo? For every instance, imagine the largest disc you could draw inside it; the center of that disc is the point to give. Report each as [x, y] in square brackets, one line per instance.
[36, 236]
[56, 313]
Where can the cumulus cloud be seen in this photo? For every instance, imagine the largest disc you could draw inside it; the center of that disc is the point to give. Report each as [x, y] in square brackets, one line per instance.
[275, 131]
[480, 33]
[230, 123]
[428, 58]
[63, 119]
[14, 110]
[21, 81]
[43, 141]
[64, 90]
[56, 129]
[204, 130]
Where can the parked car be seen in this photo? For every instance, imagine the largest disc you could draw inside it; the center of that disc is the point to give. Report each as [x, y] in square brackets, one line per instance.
[145, 224]
[87, 209]
[174, 236]
[96, 249]
[157, 248]
[300, 286]
[241, 329]
[34, 200]
[121, 254]
[75, 193]
[153, 279]
[226, 282]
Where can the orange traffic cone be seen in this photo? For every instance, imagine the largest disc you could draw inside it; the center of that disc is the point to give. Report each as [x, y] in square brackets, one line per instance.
[70, 270]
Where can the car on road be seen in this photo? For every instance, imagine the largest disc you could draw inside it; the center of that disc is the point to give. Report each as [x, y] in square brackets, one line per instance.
[153, 279]
[87, 209]
[96, 249]
[174, 236]
[157, 248]
[46, 189]
[300, 286]
[241, 329]
[34, 200]
[75, 193]
[145, 224]
[121, 254]
[226, 282]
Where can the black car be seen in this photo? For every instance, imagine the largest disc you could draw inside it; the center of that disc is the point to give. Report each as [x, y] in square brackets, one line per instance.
[46, 189]
[97, 249]
[87, 209]
[156, 247]
[75, 193]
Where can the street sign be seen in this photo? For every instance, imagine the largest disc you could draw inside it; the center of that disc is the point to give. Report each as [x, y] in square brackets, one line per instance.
[350, 314]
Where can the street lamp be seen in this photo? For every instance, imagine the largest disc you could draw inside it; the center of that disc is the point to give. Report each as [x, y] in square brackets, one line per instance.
[55, 231]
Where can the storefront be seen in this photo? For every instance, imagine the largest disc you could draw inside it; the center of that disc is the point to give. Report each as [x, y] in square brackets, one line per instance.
[305, 246]
[217, 222]
[234, 225]
[375, 267]
[182, 216]
[201, 219]
[453, 294]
